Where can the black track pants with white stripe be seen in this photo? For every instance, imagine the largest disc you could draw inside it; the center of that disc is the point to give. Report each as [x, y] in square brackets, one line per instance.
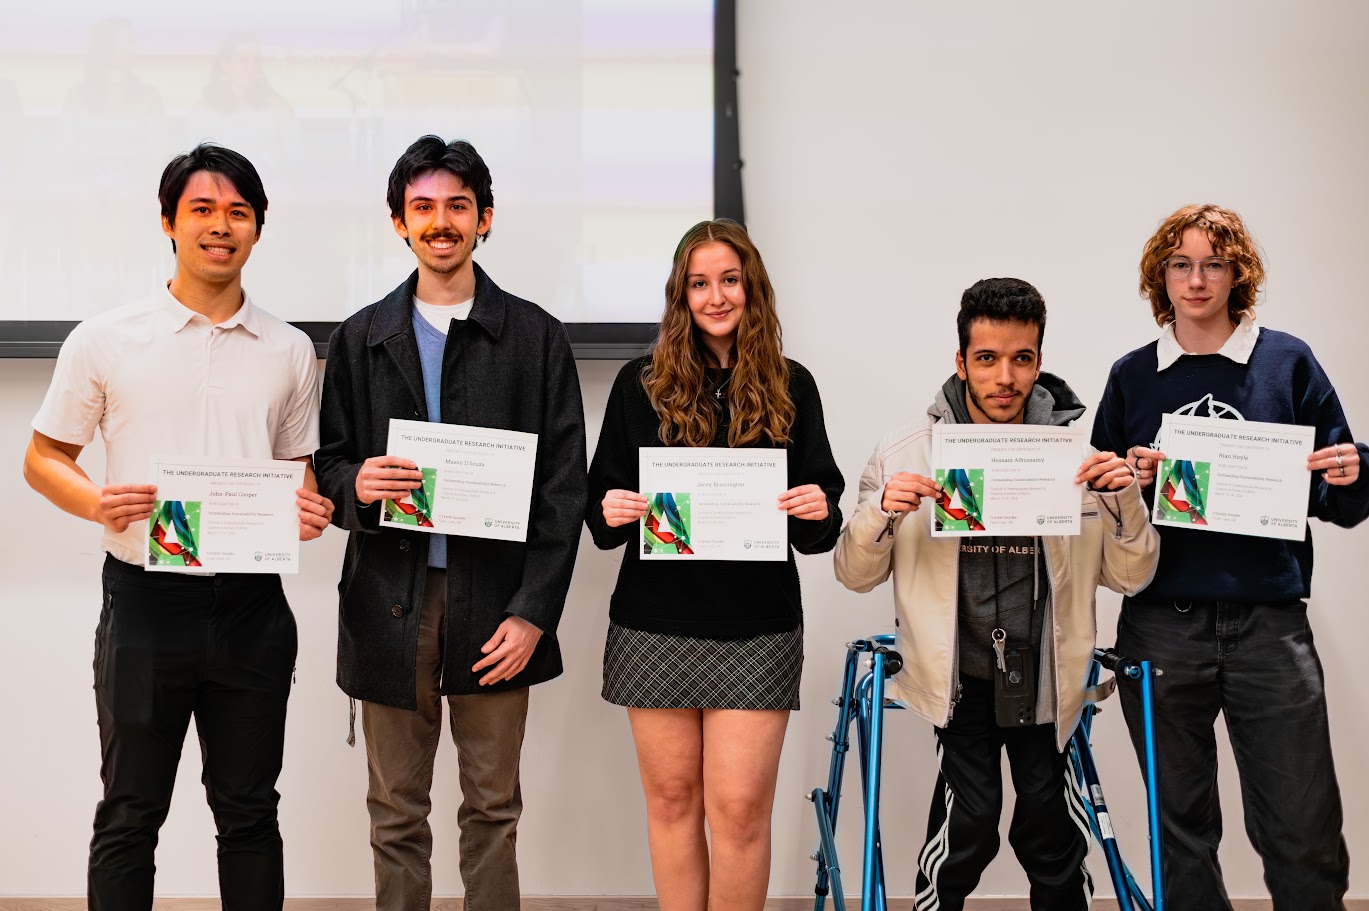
[1049, 831]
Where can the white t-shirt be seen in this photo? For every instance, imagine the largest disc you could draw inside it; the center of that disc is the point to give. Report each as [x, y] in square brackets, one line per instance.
[440, 316]
[157, 379]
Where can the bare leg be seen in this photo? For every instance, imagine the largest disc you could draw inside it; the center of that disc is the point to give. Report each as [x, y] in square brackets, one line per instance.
[741, 759]
[670, 757]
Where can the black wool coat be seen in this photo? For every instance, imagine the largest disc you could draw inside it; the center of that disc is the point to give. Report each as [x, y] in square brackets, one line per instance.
[508, 366]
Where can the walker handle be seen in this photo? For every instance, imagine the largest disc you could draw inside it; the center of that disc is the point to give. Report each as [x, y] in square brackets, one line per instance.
[1114, 661]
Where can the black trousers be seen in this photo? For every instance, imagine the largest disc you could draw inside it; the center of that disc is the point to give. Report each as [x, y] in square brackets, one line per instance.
[1049, 831]
[218, 648]
[1256, 665]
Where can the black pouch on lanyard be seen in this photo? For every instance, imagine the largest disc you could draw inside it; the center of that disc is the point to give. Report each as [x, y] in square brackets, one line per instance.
[1014, 697]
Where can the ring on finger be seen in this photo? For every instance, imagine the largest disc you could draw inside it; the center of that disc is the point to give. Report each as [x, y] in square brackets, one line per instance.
[1342, 470]
[1339, 463]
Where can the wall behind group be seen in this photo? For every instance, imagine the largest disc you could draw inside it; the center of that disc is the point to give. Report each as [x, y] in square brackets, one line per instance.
[895, 153]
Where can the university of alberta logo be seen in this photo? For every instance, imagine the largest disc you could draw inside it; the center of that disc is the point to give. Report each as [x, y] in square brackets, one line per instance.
[1040, 520]
[489, 522]
[1264, 520]
[257, 556]
[1205, 407]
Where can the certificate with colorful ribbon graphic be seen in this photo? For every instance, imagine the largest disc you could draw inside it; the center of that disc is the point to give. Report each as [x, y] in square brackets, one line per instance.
[1234, 476]
[713, 504]
[224, 516]
[1013, 479]
[477, 481]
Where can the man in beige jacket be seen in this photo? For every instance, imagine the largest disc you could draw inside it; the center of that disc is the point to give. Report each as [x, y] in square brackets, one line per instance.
[962, 604]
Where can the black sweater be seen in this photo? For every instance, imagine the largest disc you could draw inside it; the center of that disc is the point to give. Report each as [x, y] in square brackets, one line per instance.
[714, 599]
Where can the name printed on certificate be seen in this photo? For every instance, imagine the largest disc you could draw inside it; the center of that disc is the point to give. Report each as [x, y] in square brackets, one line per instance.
[713, 503]
[477, 481]
[1240, 477]
[224, 516]
[1014, 479]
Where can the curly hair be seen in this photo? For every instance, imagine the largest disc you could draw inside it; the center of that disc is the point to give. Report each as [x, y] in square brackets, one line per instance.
[1228, 236]
[758, 393]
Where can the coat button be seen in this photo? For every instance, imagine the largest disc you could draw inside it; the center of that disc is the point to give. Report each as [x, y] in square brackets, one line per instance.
[404, 544]
[397, 610]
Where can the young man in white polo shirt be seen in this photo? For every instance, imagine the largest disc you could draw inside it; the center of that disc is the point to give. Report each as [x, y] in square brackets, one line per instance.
[195, 370]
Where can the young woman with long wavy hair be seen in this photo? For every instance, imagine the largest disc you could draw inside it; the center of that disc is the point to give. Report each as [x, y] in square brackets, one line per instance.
[706, 656]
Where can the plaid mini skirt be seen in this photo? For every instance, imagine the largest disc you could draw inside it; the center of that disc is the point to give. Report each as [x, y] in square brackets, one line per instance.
[660, 671]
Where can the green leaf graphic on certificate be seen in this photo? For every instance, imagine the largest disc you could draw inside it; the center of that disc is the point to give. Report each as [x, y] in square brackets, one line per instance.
[668, 524]
[173, 533]
[417, 508]
[961, 504]
[1182, 495]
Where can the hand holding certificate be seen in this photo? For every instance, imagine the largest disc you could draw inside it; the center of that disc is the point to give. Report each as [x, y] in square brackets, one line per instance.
[1014, 479]
[1240, 477]
[713, 503]
[225, 516]
[476, 481]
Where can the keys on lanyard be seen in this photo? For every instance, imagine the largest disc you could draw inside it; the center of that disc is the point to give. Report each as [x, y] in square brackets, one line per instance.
[1000, 642]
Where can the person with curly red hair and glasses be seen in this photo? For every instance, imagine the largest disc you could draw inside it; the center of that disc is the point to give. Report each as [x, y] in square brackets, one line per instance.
[1226, 617]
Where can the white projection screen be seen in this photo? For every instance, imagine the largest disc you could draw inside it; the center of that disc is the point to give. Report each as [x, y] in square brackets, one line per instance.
[609, 127]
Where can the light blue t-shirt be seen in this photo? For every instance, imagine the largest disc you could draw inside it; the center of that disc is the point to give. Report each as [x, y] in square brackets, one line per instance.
[431, 344]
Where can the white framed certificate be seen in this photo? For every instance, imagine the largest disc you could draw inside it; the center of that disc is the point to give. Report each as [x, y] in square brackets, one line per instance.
[1239, 477]
[713, 503]
[477, 481]
[1006, 479]
[224, 516]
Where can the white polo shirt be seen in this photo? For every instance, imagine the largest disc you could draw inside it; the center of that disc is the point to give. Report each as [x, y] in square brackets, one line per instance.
[158, 379]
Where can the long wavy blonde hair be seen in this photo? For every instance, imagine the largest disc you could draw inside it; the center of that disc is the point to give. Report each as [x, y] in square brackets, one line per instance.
[1229, 238]
[758, 393]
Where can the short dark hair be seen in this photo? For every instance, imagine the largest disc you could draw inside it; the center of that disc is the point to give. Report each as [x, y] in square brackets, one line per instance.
[429, 153]
[215, 159]
[1001, 300]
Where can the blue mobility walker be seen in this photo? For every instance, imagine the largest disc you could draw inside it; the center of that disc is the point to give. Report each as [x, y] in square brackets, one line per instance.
[858, 702]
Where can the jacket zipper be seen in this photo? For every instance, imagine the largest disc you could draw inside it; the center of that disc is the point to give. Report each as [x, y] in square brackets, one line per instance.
[888, 528]
[1116, 516]
[1048, 629]
[954, 683]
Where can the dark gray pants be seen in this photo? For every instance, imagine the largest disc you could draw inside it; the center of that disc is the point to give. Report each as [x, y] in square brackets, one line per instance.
[400, 747]
[168, 647]
[1255, 664]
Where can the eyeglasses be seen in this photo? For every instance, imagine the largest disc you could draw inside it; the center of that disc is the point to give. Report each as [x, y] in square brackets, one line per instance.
[1213, 268]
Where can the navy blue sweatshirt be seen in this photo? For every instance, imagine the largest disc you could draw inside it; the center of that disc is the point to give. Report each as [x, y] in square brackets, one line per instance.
[1283, 384]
